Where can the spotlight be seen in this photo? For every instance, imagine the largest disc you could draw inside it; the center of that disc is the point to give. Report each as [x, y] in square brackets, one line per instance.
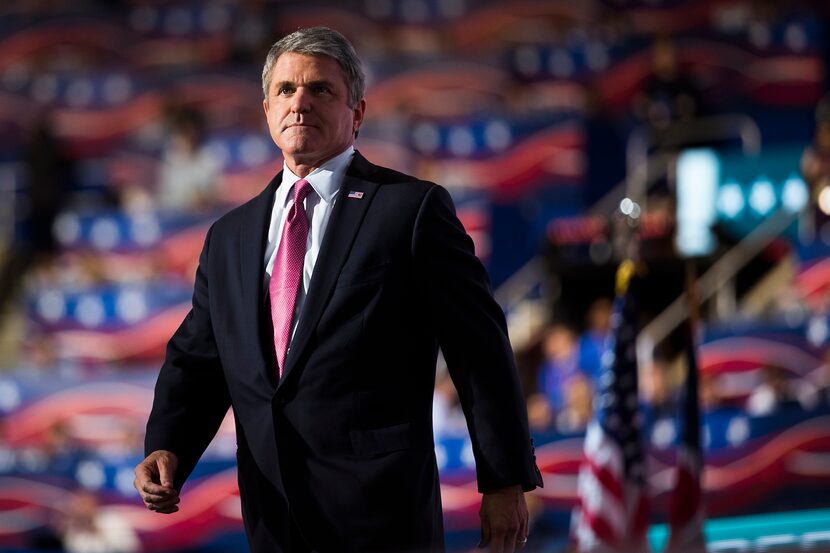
[824, 200]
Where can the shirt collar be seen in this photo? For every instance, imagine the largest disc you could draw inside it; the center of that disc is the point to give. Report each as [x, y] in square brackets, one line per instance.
[325, 180]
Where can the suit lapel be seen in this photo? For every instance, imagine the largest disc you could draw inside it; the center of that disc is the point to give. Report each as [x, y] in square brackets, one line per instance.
[345, 221]
[253, 234]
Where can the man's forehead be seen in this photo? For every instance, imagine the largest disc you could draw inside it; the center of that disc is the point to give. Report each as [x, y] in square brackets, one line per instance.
[305, 60]
[293, 67]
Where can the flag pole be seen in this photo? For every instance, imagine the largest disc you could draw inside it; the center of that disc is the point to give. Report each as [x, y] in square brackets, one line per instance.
[692, 295]
[687, 513]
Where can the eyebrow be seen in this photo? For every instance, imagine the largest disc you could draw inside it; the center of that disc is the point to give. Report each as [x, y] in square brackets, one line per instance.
[321, 82]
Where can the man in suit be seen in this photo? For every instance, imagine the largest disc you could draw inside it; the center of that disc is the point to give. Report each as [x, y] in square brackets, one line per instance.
[318, 310]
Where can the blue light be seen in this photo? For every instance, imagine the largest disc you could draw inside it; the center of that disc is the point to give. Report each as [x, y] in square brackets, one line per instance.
[762, 196]
[731, 200]
[698, 173]
[795, 196]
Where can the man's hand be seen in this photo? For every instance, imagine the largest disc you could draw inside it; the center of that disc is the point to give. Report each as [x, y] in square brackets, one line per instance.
[154, 481]
[503, 520]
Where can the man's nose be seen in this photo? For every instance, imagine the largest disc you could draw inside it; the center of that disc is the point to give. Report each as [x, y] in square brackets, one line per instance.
[301, 100]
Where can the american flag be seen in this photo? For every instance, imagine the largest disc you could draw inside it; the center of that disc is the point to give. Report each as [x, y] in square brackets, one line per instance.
[686, 514]
[612, 507]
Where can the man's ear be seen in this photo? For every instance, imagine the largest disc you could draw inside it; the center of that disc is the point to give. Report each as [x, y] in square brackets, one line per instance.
[359, 111]
[265, 106]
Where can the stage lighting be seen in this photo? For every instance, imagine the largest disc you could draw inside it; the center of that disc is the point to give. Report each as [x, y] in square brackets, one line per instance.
[824, 200]
[731, 200]
[794, 197]
[762, 196]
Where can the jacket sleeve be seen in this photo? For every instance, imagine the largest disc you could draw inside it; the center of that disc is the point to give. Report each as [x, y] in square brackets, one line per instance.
[191, 396]
[472, 333]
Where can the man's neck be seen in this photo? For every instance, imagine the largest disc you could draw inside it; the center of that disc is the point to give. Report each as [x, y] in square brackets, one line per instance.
[303, 167]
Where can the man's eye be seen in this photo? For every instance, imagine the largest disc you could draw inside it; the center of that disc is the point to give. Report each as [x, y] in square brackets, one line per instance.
[320, 89]
[285, 90]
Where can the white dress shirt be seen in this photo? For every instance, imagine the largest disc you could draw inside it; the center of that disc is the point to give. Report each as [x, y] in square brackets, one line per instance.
[325, 181]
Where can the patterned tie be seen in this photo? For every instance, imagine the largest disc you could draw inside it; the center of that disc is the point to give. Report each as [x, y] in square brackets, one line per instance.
[287, 271]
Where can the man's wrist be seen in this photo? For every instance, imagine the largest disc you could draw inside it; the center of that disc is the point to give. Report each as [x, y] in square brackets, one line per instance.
[515, 489]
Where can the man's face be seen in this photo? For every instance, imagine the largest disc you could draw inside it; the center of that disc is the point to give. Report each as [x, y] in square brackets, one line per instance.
[308, 111]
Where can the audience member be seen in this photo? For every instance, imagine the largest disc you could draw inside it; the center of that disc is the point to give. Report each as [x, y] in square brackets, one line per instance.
[777, 390]
[668, 95]
[560, 366]
[815, 166]
[593, 341]
[539, 412]
[251, 30]
[668, 100]
[85, 527]
[189, 174]
[61, 450]
[48, 172]
[578, 408]
[658, 389]
[561, 363]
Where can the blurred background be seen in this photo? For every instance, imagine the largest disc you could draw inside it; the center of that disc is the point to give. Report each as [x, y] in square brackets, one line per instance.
[572, 135]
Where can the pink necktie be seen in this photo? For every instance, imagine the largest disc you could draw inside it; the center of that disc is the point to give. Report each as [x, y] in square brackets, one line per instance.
[287, 271]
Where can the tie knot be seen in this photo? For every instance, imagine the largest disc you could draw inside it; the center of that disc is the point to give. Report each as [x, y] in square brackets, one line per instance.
[302, 188]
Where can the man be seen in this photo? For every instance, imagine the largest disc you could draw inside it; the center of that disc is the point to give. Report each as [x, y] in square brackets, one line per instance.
[320, 326]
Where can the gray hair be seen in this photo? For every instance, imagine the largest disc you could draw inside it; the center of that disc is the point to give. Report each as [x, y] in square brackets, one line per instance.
[320, 41]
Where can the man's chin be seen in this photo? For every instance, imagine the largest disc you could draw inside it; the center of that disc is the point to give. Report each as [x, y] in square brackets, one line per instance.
[297, 148]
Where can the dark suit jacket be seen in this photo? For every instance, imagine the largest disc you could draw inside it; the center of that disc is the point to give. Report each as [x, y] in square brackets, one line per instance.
[342, 445]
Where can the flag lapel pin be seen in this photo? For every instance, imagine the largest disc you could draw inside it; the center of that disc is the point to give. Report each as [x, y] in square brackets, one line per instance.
[355, 195]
